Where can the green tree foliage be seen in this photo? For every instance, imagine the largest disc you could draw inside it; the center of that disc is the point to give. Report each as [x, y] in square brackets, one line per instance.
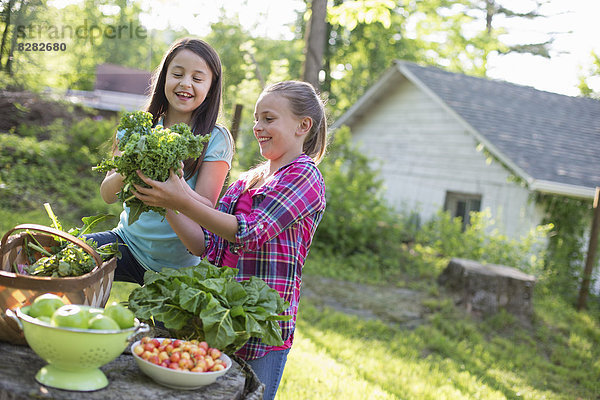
[90, 32]
[571, 219]
[248, 65]
[17, 17]
[593, 73]
[365, 37]
[101, 31]
[125, 40]
[491, 10]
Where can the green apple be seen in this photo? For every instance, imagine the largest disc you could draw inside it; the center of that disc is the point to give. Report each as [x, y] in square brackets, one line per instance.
[45, 305]
[92, 312]
[120, 314]
[44, 319]
[70, 316]
[102, 322]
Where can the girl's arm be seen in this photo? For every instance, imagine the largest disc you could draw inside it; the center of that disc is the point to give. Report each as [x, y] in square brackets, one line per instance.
[175, 194]
[208, 188]
[220, 223]
[299, 194]
[112, 183]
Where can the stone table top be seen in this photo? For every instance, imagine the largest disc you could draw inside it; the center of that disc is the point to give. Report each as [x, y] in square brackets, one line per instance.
[126, 381]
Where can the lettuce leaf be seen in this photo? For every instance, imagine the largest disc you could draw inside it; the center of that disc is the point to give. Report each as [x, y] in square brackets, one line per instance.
[205, 302]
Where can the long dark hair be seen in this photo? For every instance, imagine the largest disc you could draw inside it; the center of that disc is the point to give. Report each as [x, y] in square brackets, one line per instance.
[204, 118]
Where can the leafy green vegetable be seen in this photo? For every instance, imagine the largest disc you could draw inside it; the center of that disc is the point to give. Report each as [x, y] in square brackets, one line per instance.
[70, 260]
[154, 151]
[66, 258]
[205, 302]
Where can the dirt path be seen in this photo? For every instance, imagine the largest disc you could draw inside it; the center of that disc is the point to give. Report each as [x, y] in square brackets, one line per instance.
[397, 306]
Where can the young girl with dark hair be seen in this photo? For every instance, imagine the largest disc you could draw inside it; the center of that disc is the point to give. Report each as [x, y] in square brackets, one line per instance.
[186, 88]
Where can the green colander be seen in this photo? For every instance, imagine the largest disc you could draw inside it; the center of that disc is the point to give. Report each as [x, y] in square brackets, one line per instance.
[74, 356]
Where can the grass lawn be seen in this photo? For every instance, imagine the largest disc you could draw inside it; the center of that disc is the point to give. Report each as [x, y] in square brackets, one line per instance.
[450, 356]
[341, 356]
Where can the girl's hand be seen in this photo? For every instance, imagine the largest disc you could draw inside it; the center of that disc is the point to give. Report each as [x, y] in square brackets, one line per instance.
[166, 194]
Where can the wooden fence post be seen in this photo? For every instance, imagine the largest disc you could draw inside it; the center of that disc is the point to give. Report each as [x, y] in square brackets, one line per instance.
[235, 124]
[591, 255]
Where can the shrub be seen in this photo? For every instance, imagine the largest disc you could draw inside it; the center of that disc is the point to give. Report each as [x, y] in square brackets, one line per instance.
[483, 242]
[53, 164]
[568, 241]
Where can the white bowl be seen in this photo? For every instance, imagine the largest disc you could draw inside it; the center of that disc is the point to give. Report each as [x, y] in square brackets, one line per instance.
[174, 379]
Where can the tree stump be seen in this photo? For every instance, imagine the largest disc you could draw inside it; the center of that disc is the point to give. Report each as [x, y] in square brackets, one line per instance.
[485, 289]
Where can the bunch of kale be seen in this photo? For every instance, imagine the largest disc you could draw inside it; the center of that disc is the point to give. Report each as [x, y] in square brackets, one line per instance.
[154, 151]
[204, 302]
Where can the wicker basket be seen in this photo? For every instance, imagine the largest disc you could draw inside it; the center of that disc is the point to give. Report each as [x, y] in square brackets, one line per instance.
[18, 290]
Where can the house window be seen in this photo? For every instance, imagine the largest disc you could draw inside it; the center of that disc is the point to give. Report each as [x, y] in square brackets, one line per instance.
[461, 205]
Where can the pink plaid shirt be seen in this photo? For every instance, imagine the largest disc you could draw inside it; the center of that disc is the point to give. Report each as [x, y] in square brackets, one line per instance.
[274, 238]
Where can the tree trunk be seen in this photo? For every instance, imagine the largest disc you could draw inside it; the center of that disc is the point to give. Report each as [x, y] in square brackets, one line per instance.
[237, 118]
[490, 8]
[257, 70]
[327, 55]
[485, 289]
[13, 44]
[315, 42]
[8, 11]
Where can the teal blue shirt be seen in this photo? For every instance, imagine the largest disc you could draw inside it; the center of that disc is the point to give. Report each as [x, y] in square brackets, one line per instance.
[151, 239]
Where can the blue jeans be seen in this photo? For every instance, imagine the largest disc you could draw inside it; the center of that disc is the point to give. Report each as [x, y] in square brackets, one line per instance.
[128, 268]
[269, 370]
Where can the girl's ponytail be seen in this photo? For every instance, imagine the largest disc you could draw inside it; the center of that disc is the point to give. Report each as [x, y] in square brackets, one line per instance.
[315, 144]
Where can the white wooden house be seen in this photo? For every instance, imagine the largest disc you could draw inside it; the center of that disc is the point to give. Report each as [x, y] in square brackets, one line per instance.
[444, 140]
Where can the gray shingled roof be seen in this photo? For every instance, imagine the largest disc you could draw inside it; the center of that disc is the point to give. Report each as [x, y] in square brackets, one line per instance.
[551, 137]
